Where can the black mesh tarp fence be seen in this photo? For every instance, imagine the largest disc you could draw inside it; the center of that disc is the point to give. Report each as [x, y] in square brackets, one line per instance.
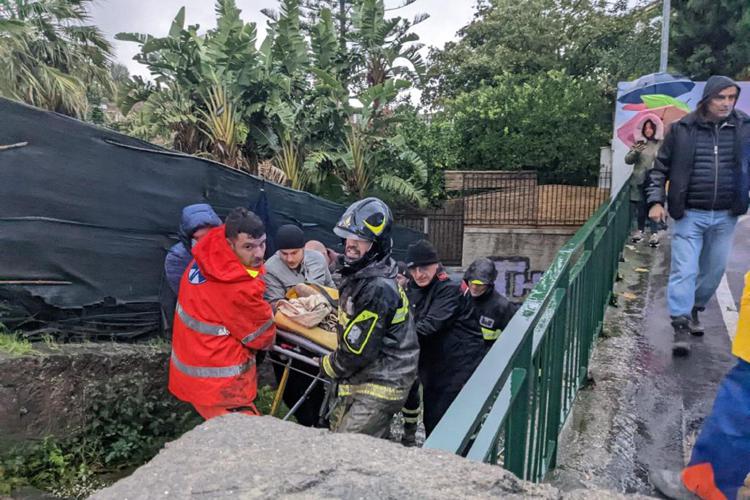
[87, 214]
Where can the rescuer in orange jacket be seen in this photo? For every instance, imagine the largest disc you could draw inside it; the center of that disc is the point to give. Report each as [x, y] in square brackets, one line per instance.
[221, 319]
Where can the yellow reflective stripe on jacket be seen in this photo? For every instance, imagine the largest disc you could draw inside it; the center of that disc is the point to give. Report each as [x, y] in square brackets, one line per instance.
[741, 343]
[375, 390]
[343, 317]
[489, 334]
[328, 367]
[403, 311]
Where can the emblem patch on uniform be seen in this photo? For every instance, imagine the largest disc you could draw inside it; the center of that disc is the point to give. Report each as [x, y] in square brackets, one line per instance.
[486, 322]
[194, 275]
[354, 335]
[358, 331]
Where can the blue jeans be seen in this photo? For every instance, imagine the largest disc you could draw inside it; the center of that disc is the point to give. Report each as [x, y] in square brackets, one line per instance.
[701, 242]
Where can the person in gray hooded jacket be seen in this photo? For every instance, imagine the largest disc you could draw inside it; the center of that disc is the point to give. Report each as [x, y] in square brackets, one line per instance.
[704, 158]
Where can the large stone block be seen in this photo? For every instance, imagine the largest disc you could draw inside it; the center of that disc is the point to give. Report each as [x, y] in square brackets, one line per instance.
[262, 457]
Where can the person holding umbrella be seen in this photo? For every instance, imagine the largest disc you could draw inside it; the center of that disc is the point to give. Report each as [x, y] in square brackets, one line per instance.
[649, 134]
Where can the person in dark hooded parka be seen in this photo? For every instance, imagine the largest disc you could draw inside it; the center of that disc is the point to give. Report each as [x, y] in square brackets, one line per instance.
[704, 158]
[197, 220]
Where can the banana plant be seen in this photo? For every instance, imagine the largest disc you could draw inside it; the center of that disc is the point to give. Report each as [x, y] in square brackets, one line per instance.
[361, 161]
[222, 124]
[386, 48]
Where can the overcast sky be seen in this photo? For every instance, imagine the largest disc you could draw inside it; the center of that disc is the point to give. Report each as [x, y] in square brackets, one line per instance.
[155, 16]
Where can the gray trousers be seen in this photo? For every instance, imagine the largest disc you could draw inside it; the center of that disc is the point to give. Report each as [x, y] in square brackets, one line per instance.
[364, 414]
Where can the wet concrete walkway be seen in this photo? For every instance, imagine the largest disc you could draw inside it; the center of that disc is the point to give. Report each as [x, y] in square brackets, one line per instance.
[644, 407]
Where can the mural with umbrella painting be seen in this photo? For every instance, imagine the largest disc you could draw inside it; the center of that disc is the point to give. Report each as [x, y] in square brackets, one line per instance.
[668, 97]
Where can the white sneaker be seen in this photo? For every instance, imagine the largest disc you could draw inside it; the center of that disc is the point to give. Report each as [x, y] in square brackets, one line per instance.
[637, 237]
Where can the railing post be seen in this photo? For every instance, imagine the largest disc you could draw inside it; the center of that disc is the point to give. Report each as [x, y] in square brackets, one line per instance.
[517, 428]
[555, 416]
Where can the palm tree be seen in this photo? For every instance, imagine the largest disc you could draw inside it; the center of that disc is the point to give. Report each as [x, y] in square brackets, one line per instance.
[386, 47]
[50, 56]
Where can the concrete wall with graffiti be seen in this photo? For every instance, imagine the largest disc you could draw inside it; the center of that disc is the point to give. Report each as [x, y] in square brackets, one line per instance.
[657, 96]
[521, 255]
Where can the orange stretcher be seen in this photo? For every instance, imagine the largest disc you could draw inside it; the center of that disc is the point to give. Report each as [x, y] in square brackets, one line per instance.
[307, 344]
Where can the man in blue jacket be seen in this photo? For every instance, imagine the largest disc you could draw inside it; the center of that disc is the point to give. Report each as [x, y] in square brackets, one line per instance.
[197, 220]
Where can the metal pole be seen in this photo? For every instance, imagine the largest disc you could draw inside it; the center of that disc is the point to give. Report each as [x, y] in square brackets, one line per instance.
[664, 56]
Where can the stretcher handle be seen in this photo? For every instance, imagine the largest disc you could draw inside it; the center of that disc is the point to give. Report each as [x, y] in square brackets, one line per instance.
[302, 342]
[294, 355]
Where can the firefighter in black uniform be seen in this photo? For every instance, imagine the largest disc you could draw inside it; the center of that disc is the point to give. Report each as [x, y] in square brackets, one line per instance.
[375, 363]
[435, 302]
[490, 311]
[480, 319]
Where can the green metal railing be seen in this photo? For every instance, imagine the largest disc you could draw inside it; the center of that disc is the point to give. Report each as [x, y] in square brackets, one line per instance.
[513, 407]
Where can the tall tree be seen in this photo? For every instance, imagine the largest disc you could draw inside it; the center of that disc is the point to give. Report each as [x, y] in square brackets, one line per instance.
[287, 100]
[50, 56]
[711, 37]
[550, 122]
[581, 37]
[384, 47]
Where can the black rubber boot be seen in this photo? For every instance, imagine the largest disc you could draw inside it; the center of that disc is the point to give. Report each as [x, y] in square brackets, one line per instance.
[409, 438]
[696, 328]
[681, 326]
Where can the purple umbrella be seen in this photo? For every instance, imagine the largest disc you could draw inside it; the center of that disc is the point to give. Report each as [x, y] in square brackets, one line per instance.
[656, 83]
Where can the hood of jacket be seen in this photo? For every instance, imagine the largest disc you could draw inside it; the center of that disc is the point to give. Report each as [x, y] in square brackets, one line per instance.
[716, 84]
[658, 128]
[218, 262]
[696, 118]
[194, 217]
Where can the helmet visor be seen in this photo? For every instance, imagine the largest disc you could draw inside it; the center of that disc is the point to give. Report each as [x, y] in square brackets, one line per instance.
[347, 234]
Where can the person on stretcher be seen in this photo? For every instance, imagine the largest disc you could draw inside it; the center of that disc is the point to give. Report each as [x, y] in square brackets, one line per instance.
[292, 265]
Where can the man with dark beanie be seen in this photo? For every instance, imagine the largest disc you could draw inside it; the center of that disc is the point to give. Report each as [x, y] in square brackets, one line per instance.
[435, 304]
[290, 266]
[705, 159]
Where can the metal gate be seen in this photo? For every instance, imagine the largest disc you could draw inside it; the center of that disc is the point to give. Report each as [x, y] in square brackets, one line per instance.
[443, 227]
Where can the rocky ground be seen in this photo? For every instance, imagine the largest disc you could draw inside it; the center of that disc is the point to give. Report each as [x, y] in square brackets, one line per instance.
[249, 457]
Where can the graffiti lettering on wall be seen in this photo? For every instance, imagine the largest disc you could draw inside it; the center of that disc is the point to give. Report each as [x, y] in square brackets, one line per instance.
[515, 279]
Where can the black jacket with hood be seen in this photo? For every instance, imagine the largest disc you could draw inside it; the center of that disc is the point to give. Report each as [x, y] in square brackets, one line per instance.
[704, 162]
